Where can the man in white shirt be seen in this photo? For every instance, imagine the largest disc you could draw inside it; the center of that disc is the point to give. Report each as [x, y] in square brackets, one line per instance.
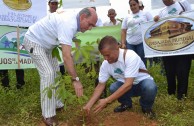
[53, 5]
[42, 37]
[112, 14]
[132, 79]
[99, 21]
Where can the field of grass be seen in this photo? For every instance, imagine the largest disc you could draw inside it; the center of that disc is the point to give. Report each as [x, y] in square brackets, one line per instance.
[22, 107]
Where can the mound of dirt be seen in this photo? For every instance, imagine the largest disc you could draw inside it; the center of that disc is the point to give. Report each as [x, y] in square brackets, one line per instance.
[114, 119]
[106, 117]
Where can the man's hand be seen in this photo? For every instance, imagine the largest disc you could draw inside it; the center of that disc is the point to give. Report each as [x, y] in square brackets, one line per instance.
[123, 46]
[87, 108]
[78, 88]
[156, 18]
[102, 103]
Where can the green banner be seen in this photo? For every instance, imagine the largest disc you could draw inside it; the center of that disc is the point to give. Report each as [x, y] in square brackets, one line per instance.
[100, 32]
[9, 52]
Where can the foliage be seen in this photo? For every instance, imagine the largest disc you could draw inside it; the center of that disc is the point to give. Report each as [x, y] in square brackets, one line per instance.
[60, 3]
[22, 107]
[63, 84]
[55, 53]
[64, 91]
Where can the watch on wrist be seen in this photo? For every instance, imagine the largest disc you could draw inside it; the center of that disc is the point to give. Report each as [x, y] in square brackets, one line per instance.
[75, 79]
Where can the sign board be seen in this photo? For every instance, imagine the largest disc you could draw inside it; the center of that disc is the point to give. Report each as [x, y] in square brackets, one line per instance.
[22, 13]
[8, 49]
[170, 36]
[84, 3]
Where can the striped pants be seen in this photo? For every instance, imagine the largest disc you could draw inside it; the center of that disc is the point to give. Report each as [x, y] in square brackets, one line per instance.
[47, 68]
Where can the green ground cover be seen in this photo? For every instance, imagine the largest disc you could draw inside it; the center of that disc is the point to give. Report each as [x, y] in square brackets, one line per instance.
[22, 107]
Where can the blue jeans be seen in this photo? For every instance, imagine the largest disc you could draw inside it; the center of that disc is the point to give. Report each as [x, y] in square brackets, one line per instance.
[146, 89]
[138, 49]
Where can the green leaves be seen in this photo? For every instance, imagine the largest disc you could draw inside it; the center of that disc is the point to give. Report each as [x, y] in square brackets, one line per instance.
[84, 53]
[62, 87]
[60, 3]
[55, 53]
[64, 90]
[49, 93]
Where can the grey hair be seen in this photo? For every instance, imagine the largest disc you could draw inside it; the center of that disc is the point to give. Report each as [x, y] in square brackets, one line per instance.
[85, 11]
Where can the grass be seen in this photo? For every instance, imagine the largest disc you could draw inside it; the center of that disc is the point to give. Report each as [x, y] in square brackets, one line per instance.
[22, 107]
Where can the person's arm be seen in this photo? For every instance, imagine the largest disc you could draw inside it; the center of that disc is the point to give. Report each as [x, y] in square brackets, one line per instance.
[123, 38]
[186, 5]
[124, 27]
[161, 14]
[133, 21]
[77, 42]
[122, 90]
[149, 16]
[97, 92]
[69, 65]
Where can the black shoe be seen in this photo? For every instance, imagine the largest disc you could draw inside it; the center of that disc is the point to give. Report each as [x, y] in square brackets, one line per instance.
[19, 86]
[149, 113]
[122, 108]
[181, 96]
[60, 109]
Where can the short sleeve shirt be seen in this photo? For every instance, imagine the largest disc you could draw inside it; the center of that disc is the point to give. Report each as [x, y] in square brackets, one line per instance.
[124, 69]
[54, 29]
[175, 9]
[110, 23]
[132, 24]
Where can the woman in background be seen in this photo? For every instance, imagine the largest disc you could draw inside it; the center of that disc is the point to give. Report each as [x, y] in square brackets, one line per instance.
[176, 66]
[131, 36]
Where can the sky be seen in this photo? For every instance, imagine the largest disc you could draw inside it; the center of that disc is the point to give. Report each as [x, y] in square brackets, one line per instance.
[122, 8]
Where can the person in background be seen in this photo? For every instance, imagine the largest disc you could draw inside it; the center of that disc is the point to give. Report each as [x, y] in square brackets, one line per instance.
[53, 5]
[112, 14]
[132, 79]
[41, 38]
[131, 36]
[19, 76]
[99, 21]
[177, 68]
[141, 7]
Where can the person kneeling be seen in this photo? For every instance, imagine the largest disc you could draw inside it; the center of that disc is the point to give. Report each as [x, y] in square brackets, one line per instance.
[132, 79]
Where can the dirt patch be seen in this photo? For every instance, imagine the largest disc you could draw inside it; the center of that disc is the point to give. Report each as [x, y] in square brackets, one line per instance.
[111, 119]
[133, 117]
[128, 118]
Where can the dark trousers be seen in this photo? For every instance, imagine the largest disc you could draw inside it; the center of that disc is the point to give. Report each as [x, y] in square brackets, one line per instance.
[62, 69]
[177, 68]
[19, 76]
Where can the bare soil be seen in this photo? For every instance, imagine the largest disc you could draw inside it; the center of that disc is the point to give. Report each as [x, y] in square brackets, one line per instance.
[110, 119]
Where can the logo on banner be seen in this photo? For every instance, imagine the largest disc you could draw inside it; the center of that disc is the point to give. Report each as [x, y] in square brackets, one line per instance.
[9, 41]
[8, 50]
[18, 4]
[170, 34]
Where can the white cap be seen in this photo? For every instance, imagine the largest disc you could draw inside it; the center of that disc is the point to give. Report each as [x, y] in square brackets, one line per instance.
[53, 1]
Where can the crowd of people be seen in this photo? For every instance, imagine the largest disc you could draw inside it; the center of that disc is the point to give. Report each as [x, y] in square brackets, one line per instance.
[126, 62]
